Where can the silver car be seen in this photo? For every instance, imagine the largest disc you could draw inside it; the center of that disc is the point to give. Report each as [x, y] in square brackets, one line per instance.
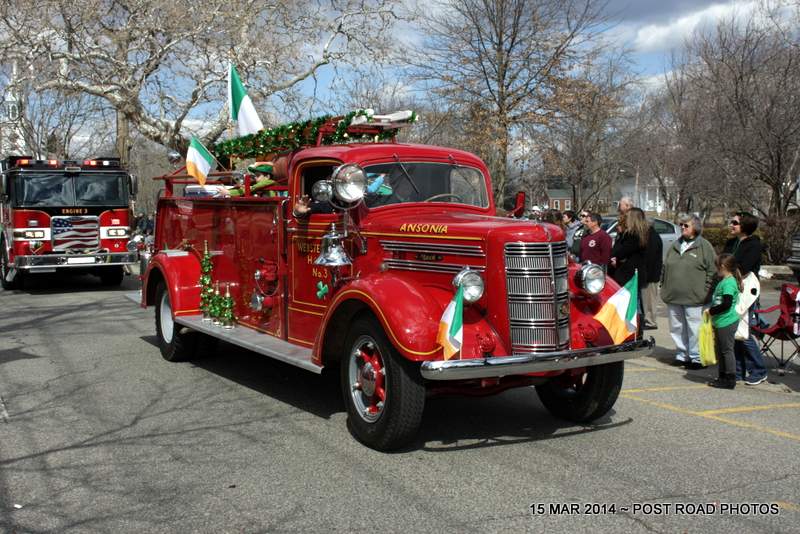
[668, 232]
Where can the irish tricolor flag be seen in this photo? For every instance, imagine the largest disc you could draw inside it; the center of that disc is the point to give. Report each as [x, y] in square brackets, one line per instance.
[619, 313]
[242, 110]
[199, 161]
[451, 331]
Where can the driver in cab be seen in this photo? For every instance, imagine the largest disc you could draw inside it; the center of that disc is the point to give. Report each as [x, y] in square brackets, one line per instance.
[306, 206]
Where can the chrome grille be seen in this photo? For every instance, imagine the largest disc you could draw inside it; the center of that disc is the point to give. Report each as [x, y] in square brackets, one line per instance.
[75, 233]
[536, 284]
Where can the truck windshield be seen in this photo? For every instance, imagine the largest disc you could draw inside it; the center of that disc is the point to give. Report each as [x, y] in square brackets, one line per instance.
[394, 183]
[59, 189]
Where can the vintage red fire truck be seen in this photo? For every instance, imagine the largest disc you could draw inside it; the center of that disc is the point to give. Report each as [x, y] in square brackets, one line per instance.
[361, 282]
[64, 215]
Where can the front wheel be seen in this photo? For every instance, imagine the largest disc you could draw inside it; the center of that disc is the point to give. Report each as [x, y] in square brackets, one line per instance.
[583, 396]
[383, 392]
[5, 267]
[175, 346]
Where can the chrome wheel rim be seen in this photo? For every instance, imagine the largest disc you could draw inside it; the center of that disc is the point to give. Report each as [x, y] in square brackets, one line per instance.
[165, 316]
[367, 379]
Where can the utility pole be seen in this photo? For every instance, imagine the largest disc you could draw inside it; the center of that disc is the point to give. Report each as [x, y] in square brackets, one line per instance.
[12, 138]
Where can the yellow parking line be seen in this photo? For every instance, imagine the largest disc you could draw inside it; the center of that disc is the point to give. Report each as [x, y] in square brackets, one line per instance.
[741, 424]
[788, 506]
[744, 409]
[751, 426]
[664, 388]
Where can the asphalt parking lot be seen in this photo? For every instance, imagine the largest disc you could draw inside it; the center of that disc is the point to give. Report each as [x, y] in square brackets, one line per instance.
[99, 434]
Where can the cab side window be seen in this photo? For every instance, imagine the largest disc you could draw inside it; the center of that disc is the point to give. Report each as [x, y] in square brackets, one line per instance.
[312, 175]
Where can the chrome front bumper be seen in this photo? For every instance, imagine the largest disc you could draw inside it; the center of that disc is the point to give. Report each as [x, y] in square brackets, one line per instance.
[535, 363]
[47, 262]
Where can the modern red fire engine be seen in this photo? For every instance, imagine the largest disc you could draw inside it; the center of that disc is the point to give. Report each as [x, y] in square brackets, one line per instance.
[64, 214]
[362, 280]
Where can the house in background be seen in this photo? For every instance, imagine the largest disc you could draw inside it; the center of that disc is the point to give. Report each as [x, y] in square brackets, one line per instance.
[559, 199]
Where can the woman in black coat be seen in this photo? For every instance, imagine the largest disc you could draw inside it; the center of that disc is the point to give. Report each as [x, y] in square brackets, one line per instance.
[629, 252]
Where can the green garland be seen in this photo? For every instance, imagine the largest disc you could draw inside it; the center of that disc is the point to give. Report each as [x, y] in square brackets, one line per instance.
[206, 286]
[296, 135]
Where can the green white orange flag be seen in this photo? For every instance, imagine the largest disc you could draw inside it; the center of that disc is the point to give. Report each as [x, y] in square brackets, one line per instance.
[199, 161]
[241, 107]
[619, 314]
[451, 331]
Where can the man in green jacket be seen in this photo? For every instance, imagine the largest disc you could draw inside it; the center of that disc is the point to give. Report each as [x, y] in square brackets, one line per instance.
[685, 281]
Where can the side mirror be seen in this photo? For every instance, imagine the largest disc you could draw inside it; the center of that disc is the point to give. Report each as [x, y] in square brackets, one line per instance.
[322, 191]
[519, 205]
[133, 184]
[174, 157]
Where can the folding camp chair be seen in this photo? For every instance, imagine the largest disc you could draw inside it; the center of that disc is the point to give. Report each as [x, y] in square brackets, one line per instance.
[785, 329]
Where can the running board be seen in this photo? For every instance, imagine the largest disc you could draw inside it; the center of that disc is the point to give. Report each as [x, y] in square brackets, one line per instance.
[250, 339]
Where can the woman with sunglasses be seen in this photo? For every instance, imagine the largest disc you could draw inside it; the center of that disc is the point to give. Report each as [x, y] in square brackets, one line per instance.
[747, 248]
[688, 272]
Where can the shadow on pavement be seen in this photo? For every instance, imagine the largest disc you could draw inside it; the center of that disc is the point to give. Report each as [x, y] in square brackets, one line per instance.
[63, 282]
[312, 393]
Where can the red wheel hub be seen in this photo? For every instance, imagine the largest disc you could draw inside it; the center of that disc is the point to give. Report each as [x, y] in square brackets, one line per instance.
[371, 376]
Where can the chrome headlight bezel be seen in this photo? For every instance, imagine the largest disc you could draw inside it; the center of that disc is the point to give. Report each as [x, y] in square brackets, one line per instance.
[349, 183]
[135, 244]
[592, 278]
[473, 285]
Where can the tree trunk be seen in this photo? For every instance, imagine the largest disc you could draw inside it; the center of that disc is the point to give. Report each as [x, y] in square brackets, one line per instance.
[502, 175]
[123, 138]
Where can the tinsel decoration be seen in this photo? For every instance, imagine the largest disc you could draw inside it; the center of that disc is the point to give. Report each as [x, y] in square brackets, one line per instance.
[226, 306]
[295, 135]
[206, 286]
[216, 305]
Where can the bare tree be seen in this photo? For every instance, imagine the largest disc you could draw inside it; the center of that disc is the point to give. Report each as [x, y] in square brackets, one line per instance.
[162, 64]
[67, 126]
[742, 82]
[587, 143]
[505, 56]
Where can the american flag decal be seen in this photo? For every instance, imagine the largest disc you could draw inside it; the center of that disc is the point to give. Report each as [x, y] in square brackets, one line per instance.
[75, 233]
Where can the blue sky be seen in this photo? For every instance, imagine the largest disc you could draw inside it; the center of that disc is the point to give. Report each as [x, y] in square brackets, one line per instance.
[650, 29]
[653, 28]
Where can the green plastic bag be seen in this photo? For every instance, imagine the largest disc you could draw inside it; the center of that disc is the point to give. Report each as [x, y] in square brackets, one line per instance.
[708, 355]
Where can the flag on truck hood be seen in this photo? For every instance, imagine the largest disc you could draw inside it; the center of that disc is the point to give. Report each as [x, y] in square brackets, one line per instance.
[242, 110]
[618, 314]
[451, 331]
[199, 161]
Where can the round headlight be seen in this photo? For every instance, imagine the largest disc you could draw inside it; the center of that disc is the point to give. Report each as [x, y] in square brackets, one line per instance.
[349, 183]
[472, 283]
[593, 278]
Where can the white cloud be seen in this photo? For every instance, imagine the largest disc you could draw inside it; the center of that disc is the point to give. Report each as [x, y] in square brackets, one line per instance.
[654, 82]
[660, 37]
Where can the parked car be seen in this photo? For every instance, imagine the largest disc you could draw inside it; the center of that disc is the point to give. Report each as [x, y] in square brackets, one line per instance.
[666, 230]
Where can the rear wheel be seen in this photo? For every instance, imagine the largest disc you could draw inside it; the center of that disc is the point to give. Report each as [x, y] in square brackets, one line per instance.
[111, 276]
[175, 346]
[383, 392]
[5, 267]
[584, 395]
